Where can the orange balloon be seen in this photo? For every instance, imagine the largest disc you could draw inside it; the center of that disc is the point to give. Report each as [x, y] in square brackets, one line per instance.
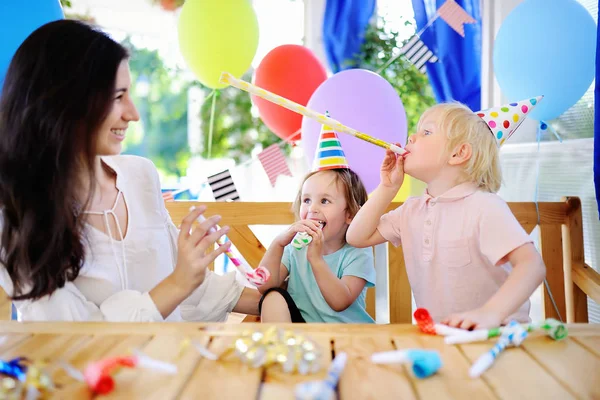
[291, 71]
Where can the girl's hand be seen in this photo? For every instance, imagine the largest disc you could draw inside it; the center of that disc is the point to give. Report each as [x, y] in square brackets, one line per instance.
[192, 262]
[392, 170]
[305, 225]
[315, 247]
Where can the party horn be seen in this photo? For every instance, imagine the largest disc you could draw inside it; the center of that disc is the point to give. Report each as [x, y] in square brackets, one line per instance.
[553, 328]
[324, 389]
[513, 334]
[426, 324]
[337, 126]
[424, 362]
[98, 377]
[257, 277]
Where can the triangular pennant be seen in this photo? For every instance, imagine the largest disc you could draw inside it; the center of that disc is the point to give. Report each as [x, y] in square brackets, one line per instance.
[455, 16]
[418, 53]
[273, 161]
[223, 187]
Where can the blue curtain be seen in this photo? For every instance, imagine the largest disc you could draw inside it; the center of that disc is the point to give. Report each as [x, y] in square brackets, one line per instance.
[457, 74]
[344, 27]
[597, 121]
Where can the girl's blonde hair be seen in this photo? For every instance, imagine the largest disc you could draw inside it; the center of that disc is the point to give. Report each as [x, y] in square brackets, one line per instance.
[354, 190]
[461, 125]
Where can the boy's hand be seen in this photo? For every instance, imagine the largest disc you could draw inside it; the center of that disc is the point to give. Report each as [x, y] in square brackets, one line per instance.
[480, 318]
[392, 170]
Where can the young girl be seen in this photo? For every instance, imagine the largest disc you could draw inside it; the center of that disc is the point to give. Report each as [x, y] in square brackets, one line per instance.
[328, 278]
[458, 237]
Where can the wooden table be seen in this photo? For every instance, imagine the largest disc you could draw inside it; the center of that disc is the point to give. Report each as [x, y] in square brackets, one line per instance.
[540, 368]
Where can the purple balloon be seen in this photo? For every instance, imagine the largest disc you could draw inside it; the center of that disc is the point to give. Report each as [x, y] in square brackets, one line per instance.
[362, 100]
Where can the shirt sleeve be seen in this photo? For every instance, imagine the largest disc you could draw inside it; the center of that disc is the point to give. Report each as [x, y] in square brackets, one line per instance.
[287, 256]
[214, 299]
[69, 304]
[499, 231]
[389, 225]
[360, 263]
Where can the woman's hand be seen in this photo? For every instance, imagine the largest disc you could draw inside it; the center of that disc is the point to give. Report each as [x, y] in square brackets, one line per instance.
[306, 225]
[392, 170]
[192, 260]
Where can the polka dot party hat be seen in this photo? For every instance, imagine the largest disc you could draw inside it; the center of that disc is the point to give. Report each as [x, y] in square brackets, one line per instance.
[329, 153]
[503, 121]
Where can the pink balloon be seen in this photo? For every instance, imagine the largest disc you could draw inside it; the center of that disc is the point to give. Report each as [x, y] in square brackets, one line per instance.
[365, 101]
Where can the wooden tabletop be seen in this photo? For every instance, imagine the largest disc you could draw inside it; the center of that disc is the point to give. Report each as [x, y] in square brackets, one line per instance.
[540, 368]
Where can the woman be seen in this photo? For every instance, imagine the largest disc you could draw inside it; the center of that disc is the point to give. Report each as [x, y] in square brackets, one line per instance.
[85, 234]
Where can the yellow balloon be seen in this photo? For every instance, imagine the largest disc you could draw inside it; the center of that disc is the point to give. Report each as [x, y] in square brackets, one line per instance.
[410, 187]
[217, 36]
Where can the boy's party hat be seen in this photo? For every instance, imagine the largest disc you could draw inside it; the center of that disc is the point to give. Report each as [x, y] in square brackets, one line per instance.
[329, 153]
[503, 121]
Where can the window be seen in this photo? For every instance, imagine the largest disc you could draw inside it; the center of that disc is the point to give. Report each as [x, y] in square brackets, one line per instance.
[561, 169]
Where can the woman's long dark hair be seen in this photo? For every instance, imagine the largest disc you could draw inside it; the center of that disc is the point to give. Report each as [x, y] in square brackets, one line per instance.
[58, 90]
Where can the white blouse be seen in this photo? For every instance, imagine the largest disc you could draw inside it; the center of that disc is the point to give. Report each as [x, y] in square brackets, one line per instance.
[117, 275]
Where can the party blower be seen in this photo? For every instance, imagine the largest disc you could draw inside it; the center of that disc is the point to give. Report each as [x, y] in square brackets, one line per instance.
[337, 126]
[325, 389]
[514, 334]
[257, 277]
[98, 375]
[554, 329]
[427, 325]
[424, 362]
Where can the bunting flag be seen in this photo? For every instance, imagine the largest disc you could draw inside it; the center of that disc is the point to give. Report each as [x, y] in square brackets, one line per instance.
[418, 53]
[223, 187]
[273, 161]
[455, 16]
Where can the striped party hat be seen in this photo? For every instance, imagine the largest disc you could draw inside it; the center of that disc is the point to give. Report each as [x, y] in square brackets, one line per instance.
[329, 153]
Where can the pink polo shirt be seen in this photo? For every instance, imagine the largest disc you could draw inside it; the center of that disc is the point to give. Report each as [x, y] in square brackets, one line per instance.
[451, 246]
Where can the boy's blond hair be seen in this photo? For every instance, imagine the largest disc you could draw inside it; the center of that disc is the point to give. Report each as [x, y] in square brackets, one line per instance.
[461, 125]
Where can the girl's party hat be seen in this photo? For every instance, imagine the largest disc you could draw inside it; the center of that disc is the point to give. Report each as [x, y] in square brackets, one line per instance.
[503, 121]
[329, 153]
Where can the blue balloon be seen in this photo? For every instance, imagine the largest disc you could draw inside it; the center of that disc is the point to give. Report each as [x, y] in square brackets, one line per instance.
[18, 18]
[546, 47]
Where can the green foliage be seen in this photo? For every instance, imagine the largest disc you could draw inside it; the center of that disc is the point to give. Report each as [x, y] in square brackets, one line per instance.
[163, 112]
[235, 130]
[381, 43]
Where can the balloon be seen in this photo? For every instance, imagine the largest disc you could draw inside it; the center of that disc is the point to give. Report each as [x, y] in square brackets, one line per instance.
[364, 101]
[217, 36]
[546, 47]
[291, 71]
[18, 19]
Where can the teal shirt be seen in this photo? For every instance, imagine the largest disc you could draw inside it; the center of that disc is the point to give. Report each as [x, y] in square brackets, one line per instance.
[305, 291]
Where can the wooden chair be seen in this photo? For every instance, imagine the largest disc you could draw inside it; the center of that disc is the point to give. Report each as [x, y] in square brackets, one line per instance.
[561, 240]
[570, 280]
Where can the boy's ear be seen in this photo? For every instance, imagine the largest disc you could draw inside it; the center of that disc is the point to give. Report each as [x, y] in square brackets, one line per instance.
[461, 154]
